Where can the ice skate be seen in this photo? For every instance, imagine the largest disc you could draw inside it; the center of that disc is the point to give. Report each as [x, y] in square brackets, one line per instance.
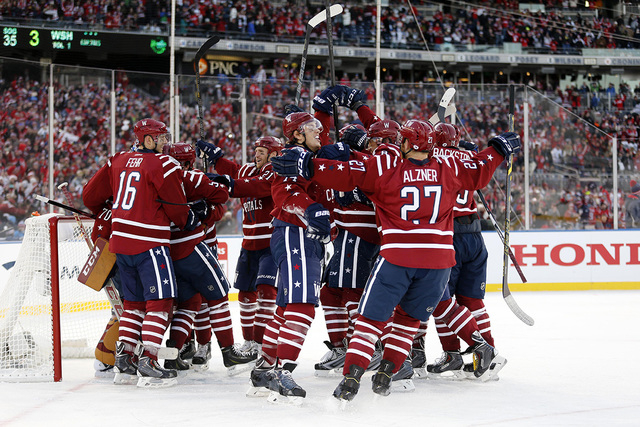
[402, 381]
[350, 384]
[260, 377]
[188, 350]
[152, 375]
[284, 388]
[376, 358]
[200, 360]
[492, 373]
[381, 381]
[237, 361]
[333, 361]
[419, 359]
[251, 347]
[125, 369]
[449, 366]
[103, 370]
[484, 356]
[178, 364]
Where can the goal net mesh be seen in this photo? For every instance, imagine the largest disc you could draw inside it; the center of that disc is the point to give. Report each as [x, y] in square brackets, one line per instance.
[26, 301]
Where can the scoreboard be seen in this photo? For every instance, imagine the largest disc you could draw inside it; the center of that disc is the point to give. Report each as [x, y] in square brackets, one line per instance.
[52, 40]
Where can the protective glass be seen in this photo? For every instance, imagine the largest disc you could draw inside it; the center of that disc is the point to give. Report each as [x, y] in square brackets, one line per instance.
[311, 126]
[164, 138]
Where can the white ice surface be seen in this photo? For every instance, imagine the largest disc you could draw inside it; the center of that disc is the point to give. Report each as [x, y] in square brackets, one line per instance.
[576, 367]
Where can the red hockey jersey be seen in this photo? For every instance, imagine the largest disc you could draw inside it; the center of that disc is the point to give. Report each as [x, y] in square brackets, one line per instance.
[196, 187]
[253, 187]
[465, 203]
[414, 200]
[136, 181]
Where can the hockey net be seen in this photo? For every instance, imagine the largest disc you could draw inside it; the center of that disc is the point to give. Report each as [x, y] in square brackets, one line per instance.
[45, 313]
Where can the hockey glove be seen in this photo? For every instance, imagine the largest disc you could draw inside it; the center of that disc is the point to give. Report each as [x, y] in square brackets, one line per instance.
[337, 151]
[211, 151]
[202, 209]
[344, 198]
[292, 108]
[351, 98]
[327, 98]
[318, 223]
[468, 145]
[506, 143]
[293, 162]
[355, 138]
[360, 197]
[225, 180]
[192, 221]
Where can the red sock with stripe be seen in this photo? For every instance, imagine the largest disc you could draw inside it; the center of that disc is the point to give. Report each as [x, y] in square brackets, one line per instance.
[248, 306]
[266, 308]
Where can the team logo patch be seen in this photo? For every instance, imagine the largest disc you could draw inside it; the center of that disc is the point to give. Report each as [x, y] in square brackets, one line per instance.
[152, 289]
[483, 285]
[430, 309]
[210, 287]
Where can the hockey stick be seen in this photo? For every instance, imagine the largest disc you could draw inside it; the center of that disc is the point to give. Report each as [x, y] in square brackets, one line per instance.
[196, 66]
[444, 109]
[336, 123]
[320, 17]
[63, 206]
[110, 289]
[501, 235]
[506, 292]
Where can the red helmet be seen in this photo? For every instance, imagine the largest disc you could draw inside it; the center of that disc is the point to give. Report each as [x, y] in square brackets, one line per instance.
[349, 126]
[447, 135]
[182, 152]
[384, 129]
[271, 143]
[294, 122]
[421, 135]
[149, 127]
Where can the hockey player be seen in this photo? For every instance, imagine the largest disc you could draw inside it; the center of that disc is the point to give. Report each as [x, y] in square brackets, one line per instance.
[136, 181]
[461, 312]
[255, 270]
[414, 197]
[201, 280]
[302, 226]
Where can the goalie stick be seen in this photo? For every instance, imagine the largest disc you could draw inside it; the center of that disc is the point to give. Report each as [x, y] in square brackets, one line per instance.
[506, 292]
[444, 109]
[196, 66]
[112, 293]
[320, 17]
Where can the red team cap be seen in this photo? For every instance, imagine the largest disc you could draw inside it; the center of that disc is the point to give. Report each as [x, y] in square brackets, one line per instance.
[384, 129]
[294, 122]
[447, 135]
[271, 143]
[421, 135]
[149, 127]
[182, 152]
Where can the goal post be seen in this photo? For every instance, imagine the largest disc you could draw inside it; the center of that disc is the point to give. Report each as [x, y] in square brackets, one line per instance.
[45, 313]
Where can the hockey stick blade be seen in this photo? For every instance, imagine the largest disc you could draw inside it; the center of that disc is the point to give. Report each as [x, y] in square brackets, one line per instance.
[444, 103]
[321, 16]
[451, 110]
[515, 308]
[204, 48]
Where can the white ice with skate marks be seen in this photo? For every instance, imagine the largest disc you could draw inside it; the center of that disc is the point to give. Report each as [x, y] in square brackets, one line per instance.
[574, 367]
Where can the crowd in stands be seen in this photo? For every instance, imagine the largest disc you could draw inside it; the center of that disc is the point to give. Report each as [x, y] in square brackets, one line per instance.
[462, 25]
[570, 154]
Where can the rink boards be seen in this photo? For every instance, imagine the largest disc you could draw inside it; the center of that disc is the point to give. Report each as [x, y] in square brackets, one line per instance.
[550, 260]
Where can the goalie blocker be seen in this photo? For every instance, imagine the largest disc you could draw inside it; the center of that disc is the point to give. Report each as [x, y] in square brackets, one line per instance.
[99, 267]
